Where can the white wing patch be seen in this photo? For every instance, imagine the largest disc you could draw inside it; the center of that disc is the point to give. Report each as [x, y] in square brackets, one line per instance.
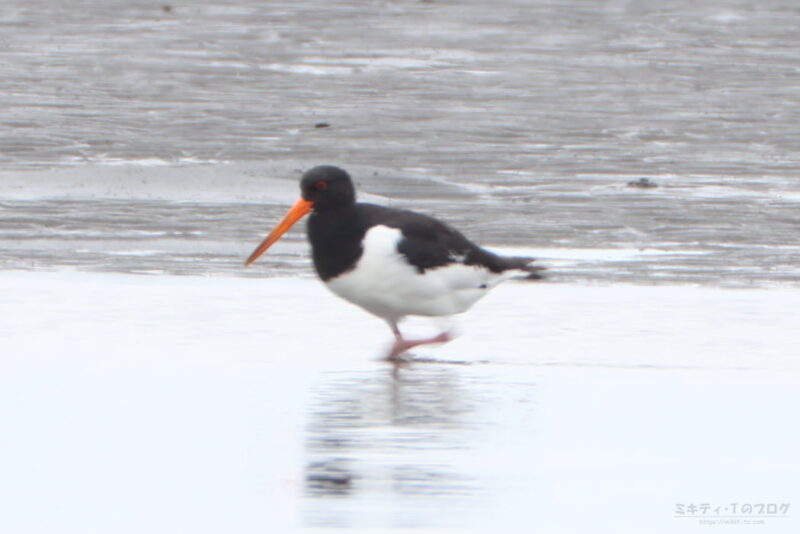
[386, 285]
[456, 257]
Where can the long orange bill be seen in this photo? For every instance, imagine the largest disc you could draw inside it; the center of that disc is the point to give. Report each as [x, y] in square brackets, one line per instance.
[300, 209]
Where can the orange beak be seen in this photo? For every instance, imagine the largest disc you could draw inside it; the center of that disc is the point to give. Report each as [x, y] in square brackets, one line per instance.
[300, 209]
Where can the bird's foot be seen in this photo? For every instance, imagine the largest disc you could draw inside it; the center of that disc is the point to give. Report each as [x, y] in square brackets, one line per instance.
[402, 345]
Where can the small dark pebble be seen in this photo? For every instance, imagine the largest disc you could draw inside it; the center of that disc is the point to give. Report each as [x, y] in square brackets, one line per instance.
[643, 183]
[166, 8]
[330, 479]
[322, 125]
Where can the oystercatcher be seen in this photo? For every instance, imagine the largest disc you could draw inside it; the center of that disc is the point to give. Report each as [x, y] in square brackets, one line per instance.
[391, 262]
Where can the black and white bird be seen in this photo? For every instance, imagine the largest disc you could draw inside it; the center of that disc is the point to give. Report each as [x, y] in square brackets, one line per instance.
[391, 262]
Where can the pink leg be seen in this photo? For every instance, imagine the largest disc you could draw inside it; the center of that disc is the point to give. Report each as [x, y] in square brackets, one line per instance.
[402, 345]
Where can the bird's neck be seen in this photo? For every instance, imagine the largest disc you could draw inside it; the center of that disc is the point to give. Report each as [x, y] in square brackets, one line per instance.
[335, 236]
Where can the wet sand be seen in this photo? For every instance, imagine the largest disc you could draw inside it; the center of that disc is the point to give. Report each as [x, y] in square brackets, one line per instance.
[202, 220]
[220, 403]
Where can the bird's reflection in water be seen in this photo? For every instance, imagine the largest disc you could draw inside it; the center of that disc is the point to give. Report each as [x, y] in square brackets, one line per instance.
[387, 438]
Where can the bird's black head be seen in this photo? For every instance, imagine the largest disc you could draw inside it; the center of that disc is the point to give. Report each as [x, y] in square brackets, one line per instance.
[323, 188]
[328, 187]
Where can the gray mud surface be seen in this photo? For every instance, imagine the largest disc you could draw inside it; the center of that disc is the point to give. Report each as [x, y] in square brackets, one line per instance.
[521, 123]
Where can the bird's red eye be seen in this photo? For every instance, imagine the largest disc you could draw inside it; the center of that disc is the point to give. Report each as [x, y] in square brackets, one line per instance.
[321, 185]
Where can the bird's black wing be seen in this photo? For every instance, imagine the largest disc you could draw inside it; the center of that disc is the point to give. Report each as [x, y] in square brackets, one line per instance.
[429, 243]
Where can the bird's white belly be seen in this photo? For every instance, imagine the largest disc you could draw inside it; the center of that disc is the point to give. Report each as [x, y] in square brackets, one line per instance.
[386, 285]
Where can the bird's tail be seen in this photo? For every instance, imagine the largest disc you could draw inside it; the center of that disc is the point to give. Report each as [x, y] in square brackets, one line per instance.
[526, 268]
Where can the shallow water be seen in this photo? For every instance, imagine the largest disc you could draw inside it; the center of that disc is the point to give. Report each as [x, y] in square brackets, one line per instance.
[218, 403]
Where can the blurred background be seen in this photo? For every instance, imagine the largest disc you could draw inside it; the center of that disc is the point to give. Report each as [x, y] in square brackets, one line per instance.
[622, 141]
